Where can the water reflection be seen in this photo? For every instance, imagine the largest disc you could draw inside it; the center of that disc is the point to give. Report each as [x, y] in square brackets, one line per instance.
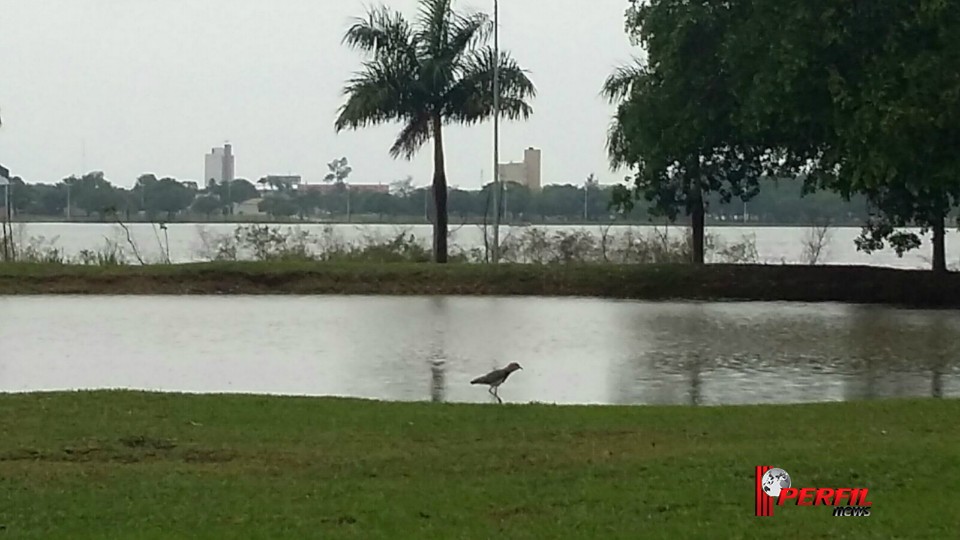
[429, 348]
[436, 386]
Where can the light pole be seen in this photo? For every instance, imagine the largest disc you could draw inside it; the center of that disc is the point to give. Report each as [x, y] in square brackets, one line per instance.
[496, 131]
[586, 189]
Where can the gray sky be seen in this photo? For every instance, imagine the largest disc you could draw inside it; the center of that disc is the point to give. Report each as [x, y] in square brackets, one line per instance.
[135, 86]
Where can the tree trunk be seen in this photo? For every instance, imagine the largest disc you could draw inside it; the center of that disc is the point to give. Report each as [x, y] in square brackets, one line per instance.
[697, 224]
[939, 245]
[439, 195]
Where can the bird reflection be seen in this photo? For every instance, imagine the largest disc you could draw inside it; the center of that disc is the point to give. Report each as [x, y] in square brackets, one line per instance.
[438, 380]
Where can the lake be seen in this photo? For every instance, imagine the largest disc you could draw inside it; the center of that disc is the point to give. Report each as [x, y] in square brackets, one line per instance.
[775, 245]
[574, 351]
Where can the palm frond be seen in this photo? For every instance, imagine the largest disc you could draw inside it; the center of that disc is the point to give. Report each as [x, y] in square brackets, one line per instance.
[620, 83]
[377, 94]
[470, 99]
[434, 27]
[382, 32]
[412, 137]
[467, 32]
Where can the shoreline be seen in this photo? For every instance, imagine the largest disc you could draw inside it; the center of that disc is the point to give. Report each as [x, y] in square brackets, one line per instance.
[654, 282]
[420, 223]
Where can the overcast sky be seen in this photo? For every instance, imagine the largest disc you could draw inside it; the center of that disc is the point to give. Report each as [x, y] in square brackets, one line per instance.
[135, 86]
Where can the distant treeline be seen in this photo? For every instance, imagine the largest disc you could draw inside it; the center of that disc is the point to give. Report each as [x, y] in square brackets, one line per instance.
[93, 197]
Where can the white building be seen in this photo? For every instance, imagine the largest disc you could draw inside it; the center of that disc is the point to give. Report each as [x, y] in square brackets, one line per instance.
[219, 166]
[526, 173]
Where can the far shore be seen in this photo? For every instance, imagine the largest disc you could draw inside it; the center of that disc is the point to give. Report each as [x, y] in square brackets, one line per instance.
[715, 282]
[401, 221]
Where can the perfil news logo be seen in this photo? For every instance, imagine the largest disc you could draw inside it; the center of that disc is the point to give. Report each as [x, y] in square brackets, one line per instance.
[772, 482]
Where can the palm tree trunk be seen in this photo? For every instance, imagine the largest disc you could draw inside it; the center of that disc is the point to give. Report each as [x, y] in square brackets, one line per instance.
[939, 245]
[697, 220]
[439, 195]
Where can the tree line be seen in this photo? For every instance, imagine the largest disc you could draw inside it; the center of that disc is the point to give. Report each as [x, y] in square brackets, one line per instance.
[93, 196]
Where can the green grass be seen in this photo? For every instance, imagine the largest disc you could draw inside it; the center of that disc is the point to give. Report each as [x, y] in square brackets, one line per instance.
[651, 282]
[134, 465]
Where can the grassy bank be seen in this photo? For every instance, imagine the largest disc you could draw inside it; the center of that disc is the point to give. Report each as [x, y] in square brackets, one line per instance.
[131, 465]
[653, 282]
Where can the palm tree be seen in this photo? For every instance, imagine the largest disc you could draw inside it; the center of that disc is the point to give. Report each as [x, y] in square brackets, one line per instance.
[436, 70]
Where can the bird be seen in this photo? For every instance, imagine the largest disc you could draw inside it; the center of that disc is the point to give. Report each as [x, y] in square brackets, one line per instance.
[495, 378]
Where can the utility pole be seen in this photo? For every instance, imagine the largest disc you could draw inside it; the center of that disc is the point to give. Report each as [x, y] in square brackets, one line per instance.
[586, 189]
[506, 214]
[496, 131]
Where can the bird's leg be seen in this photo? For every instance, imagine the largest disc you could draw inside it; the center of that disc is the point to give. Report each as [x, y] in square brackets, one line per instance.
[496, 395]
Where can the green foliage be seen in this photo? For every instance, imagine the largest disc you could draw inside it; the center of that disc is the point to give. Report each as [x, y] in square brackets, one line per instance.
[206, 205]
[93, 194]
[339, 171]
[862, 97]
[268, 243]
[281, 205]
[111, 254]
[780, 201]
[40, 250]
[673, 124]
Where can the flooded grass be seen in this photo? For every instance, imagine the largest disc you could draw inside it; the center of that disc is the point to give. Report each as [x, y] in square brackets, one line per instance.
[138, 465]
[853, 284]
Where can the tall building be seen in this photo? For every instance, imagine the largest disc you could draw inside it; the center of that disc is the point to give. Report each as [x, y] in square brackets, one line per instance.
[219, 165]
[526, 172]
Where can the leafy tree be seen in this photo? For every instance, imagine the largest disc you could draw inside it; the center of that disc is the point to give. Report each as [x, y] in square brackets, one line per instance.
[673, 123]
[93, 194]
[169, 196]
[518, 198]
[278, 205]
[233, 192]
[374, 203]
[901, 144]
[306, 205]
[425, 74]
[48, 200]
[238, 191]
[339, 171]
[462, 202]
[206, 205]
[860, 98]
[21, 195]
[403, 187]
[561, 200]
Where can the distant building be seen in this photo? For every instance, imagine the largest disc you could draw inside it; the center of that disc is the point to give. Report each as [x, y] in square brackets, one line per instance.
[526, 173]
[324, 189]
[219, 165]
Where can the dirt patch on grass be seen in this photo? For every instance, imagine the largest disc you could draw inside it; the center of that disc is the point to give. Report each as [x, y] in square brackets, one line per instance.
[132, 449]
